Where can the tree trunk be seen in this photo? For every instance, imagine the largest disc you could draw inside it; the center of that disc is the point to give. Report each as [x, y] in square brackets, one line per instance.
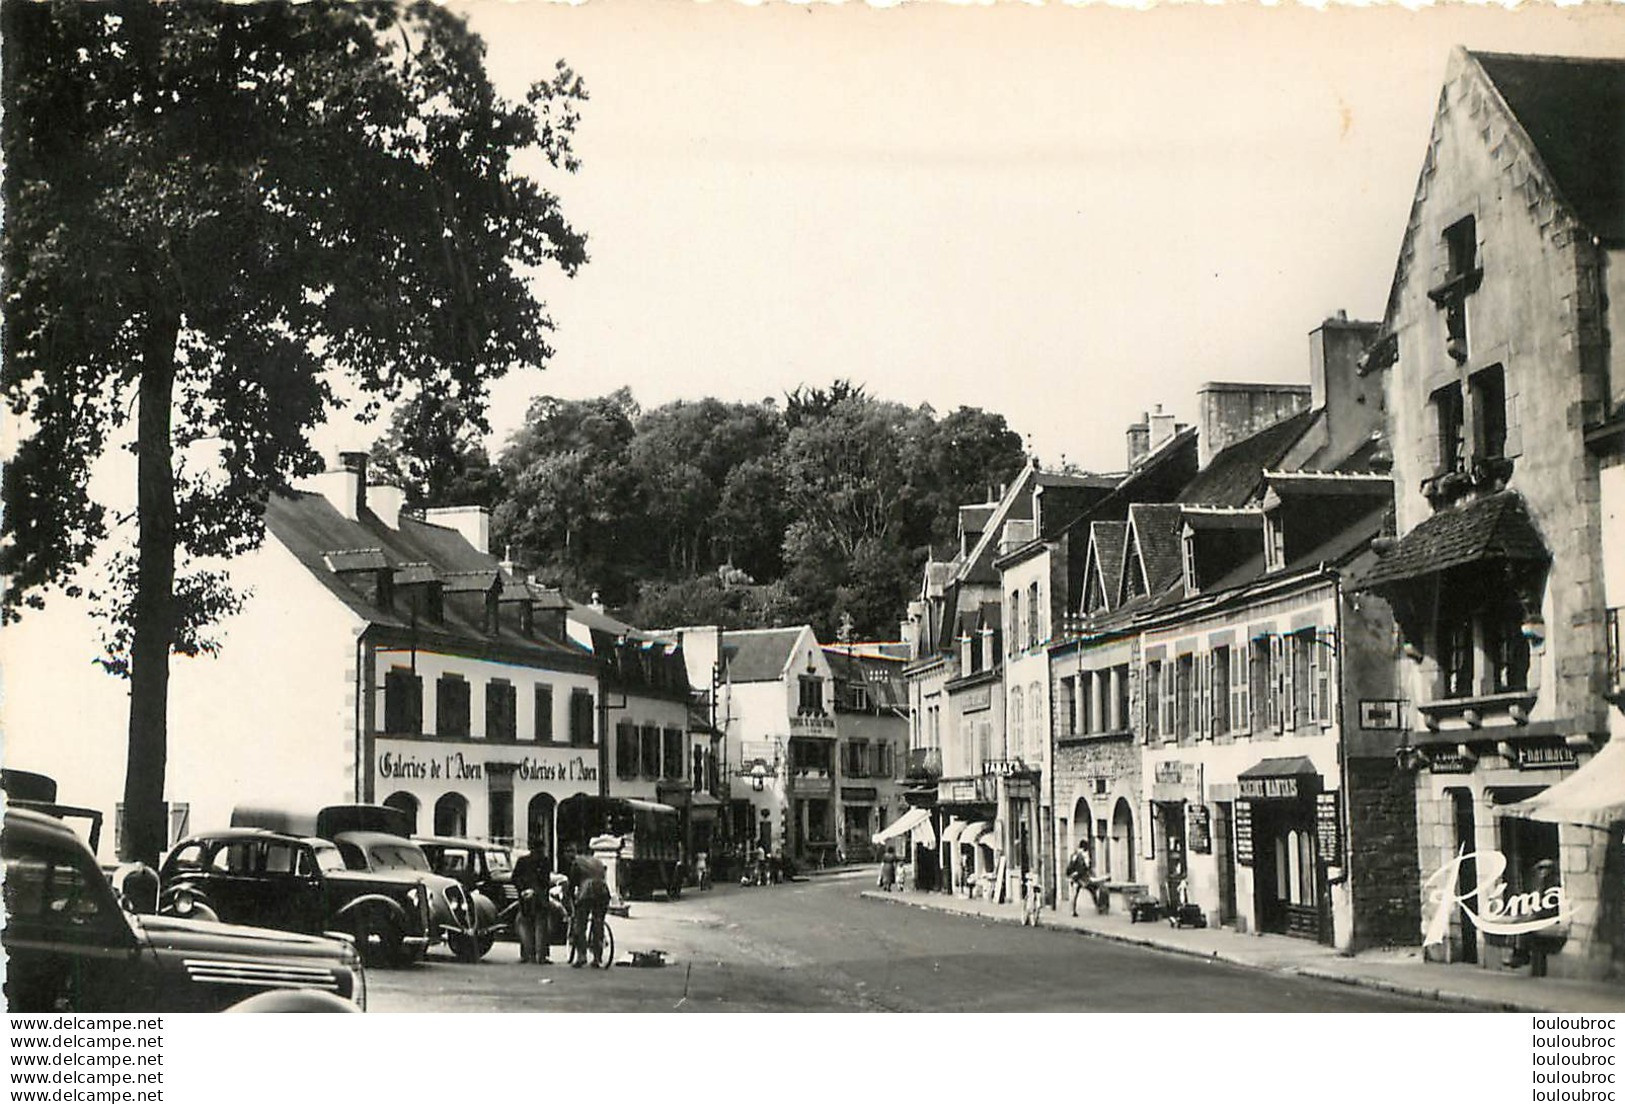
[146, 829]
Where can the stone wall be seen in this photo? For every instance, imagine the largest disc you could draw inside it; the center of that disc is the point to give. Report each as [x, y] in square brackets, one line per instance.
[1383, 875]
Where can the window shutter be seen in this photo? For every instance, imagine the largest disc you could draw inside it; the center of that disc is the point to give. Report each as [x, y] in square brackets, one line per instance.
[1203, 703]
[1278, 690]
[1323, 681]
[1312, 706]
[1240, 686]
[1139, 681]
[1289, 688]
[1170, 696]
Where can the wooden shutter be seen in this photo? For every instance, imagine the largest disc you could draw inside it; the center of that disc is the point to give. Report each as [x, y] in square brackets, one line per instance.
[1278, 689]
[1312, 706]
[1322, 689]
[1241, 687]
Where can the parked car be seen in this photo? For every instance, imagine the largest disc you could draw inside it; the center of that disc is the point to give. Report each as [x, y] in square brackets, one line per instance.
[482, 867]
[462, 916]
[72, 948]
[300, 884]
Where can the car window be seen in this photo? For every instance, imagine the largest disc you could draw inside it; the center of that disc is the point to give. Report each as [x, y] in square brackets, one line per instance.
[354, 858]
[235, 857]
[278, 858]
[328, 857]
[498, 862]
[188, 856]
[396, 856]
[453, 862]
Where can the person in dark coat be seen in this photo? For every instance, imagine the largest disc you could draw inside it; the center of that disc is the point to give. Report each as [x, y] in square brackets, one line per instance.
[888, 871]
[530, 879]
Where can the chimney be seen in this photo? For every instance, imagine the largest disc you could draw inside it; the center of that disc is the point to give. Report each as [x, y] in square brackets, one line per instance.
[1162, 428]
[1139, 440]
[343, 484]
[1231, 412]
[473, 522]
[385, 502]
[1352, 400]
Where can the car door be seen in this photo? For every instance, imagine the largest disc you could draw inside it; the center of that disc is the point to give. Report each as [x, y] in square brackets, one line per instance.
[70, 947]
[231, 881]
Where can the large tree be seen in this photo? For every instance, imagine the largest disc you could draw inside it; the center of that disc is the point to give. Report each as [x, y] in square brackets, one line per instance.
[212, 211]
[434, 451]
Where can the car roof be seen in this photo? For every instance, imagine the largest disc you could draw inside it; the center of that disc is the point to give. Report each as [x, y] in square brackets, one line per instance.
[367, 839]
[460, 841]
[41, 825]
[228, 834]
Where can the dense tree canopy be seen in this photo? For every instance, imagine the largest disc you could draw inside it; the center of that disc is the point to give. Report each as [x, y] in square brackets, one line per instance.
[211, 211]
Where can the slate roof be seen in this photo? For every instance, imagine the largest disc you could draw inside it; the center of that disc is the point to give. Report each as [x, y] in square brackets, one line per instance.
[1106, 539]
[881, 675]
[1573, 110]
[308, 526]
[357, 559]
[1156, 528]
[466, 582]
[409, 573]
[759, 655]
[1232, 478]
[1494, 528]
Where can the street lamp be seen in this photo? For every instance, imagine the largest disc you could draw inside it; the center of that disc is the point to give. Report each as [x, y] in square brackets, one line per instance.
[758, 776]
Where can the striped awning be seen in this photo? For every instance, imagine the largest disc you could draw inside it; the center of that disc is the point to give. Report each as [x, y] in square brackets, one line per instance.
[905, 823]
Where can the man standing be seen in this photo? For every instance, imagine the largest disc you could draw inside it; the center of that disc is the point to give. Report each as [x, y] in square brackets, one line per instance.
[530, 879]
[1080, 872]
[590, 892]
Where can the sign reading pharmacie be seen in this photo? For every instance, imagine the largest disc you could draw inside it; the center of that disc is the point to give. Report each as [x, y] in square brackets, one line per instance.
[411, 761]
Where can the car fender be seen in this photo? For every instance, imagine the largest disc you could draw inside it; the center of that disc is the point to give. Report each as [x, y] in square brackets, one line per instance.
[485, 910]
[370, 901]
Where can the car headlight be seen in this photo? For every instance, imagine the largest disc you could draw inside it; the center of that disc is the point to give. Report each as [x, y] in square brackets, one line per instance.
[184, 902]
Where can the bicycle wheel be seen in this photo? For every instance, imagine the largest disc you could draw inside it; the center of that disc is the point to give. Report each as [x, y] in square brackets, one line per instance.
[608, 958]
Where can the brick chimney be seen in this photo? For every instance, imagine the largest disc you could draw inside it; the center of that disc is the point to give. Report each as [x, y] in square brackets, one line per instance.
[1353, 402]
[1162, 428]
[1231, 412]
[343, 484]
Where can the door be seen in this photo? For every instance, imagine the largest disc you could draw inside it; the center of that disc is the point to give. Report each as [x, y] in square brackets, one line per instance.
[1224, 855]
[1467, 872]
[1173, 836]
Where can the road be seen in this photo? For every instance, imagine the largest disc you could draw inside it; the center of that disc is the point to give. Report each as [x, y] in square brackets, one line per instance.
[816, 946]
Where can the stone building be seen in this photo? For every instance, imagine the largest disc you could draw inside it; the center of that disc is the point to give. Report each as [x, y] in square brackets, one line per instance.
[1499, 332]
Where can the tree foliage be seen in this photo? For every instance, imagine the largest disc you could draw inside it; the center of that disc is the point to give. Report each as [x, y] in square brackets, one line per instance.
[211, 210]
[435, 454]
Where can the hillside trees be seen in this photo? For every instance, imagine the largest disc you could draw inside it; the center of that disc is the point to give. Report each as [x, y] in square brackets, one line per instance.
[212, 211]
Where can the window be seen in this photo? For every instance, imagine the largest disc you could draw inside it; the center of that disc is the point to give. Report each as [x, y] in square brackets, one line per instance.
[649, 760]
[1035, 617]
[1184, 679]
[810, 755]
[1448, 418]
[1302, 659]
[1489, 393]
[1015, 722]
[1038, 737]
[1067, 707]
[626, 751]
[1222, 666]
[403, 703]
[501, 711]
[812, 695]
[1012, 639]
[1461, 256]
[1265, 652]
[1241, 714]
[1120, 716]
[672, 760]
[581, 719]
[451, 707]
[1456, 650]
[855, 761]
[544, 713]
[1151, 692]
[699, 768]
[885, 764]
[1507, 649]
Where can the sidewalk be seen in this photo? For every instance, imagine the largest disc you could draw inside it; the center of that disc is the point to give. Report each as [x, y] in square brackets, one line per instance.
[1398, 970]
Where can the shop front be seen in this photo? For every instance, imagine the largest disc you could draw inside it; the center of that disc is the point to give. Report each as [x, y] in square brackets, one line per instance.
[1278, 808]
[967, 809]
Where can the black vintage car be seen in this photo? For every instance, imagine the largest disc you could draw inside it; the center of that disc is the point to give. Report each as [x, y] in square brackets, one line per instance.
[300, 884]
[481, 867]
[72, 948]
[463, 917]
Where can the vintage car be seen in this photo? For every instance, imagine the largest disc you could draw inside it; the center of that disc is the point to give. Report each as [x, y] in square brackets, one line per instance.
[462, 916]
[297, 883]
[482, 867]
[72, 948]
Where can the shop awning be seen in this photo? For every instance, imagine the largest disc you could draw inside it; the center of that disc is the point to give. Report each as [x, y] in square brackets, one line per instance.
[905, 823]
[1593, 795]
[992, 838]
[1286, 776]
[924, 835]
[976, 831]
[955, 829]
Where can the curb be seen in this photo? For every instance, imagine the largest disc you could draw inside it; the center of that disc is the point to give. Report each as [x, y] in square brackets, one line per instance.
[1318, 973]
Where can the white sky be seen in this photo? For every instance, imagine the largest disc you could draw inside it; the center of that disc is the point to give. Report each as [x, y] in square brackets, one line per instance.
[1065, 215]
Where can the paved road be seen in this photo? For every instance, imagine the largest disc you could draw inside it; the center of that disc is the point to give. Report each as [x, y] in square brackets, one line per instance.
[817, 946]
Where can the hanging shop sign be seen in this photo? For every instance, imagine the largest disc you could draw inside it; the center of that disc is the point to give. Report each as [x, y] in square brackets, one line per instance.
[1538, 756]
[1329, 828]
[1199, 829]
[1383, 714]
[1244, 833]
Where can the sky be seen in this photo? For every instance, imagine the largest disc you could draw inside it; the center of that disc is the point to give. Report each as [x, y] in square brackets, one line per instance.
[1065, 215]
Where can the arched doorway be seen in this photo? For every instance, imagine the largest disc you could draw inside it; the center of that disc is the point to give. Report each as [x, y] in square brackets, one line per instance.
[407, 804]
[1083, 830]
[451, 815]
[539, 823]
[1121, 862]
